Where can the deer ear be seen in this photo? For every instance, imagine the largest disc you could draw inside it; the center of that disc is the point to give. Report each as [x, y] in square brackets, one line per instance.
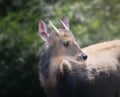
[43, 31]
[65, 21]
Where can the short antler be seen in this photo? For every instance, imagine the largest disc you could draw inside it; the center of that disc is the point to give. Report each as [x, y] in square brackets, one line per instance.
[64, 25]
[53, 26]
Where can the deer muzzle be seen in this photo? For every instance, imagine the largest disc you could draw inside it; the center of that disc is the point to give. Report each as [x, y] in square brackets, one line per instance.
[81, 57]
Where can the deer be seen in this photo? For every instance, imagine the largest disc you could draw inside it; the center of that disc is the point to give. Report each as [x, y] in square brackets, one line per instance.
[67, 70]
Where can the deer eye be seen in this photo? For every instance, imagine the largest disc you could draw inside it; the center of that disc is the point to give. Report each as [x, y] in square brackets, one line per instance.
[66, 43]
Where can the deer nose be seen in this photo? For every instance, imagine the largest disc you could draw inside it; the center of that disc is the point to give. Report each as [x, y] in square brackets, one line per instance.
[84, 56]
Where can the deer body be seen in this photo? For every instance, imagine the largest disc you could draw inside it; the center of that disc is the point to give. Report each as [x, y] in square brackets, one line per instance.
[65, 71]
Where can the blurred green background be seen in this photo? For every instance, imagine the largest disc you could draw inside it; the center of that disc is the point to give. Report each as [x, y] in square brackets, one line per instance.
[91, 21]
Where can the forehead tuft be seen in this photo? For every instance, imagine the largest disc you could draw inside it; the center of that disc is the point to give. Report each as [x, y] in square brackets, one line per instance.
[65, 34]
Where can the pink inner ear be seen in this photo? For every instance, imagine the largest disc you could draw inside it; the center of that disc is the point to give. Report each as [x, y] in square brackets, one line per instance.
[43, 34]
[42, 30]
[64, 20]
[42, 26]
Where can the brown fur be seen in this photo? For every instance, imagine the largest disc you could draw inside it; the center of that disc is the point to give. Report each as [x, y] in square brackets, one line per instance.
[102, 46]
[103, 56]
[65, 72]
[102, 61]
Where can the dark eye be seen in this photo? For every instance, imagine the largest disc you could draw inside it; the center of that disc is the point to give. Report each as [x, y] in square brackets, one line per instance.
[66, 43]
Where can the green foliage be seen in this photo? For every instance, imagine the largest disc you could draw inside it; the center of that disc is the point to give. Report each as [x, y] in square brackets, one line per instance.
[90, 21]
[19, 57]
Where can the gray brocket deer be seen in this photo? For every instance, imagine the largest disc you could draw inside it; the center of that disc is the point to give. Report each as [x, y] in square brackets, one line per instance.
[66, 70]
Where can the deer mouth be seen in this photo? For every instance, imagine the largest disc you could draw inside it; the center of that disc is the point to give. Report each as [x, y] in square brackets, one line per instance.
[79, 59]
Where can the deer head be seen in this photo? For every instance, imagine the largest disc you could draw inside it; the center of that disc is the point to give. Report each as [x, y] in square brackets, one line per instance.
[61, 40]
